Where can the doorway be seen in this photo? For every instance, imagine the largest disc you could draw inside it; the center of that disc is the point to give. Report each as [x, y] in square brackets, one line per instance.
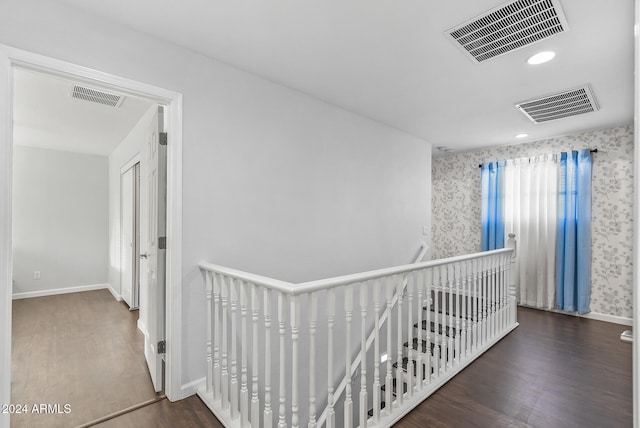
[11, 58]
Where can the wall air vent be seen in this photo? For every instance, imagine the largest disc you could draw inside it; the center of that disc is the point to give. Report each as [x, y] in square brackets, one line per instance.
[557, 106]
[96, 96]
[509, 27]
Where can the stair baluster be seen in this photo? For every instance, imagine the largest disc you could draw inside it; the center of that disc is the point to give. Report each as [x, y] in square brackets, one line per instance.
[233, 398]
[244, 389]
[282, 323]
[295, 335]
[331, 313]
[388, 382]
[363, 354]
[465, 310]
[450, 345]
[411, 279]
[348, 312]
[437, 345]
[457, 272]
[313, 316]
[208, 293]
[225, 363]
[255, 400]
[216, 336]
[442, 337]
[420, 305]
[493, 296]
[428, 282]
[268, 411]
[399, 371]
[377, 299]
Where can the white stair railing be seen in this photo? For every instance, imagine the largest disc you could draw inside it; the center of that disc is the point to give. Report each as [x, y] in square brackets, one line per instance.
[469, 306]
[422, 251]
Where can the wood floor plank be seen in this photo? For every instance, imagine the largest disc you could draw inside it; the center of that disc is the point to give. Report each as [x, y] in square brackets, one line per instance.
[81, 349]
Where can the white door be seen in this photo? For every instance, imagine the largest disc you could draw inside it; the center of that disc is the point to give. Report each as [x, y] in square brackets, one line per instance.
[127, 238]
[130, 236]
[156, 245]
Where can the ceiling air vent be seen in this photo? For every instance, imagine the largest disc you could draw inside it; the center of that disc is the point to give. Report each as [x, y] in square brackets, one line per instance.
[563, 104]
[506, 28]
[96, 96]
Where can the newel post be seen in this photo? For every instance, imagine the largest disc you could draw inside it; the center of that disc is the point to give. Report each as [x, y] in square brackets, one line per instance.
[512, 243]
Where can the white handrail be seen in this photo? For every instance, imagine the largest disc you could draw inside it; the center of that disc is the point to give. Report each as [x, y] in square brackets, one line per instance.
[325, 284]
[356, 361]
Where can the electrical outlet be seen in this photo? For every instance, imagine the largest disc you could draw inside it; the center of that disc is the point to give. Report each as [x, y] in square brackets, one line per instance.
[425, 230]
[36, 274]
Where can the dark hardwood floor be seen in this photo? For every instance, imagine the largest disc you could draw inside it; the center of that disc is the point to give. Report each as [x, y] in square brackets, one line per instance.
[190, 412]
[81, 349]
[553, 371]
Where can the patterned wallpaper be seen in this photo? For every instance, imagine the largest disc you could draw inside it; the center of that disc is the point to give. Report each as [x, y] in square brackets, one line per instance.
[456, 207]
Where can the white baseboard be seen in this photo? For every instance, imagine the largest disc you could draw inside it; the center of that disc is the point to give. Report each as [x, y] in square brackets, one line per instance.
[116, 296]
[591, 315]
[191, 388]
[142, 327]
[608, 318]
[55, 291]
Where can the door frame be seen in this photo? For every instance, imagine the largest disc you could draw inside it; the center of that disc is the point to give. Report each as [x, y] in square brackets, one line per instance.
[10, 58]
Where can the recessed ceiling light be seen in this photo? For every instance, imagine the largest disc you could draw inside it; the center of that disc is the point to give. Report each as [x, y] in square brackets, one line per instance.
[522, 135]
[541, 57]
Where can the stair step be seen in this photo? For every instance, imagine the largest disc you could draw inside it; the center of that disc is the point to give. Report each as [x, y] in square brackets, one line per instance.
[383, 388]
[450, 331]
[382, 404]
[405, 362]
[456, 302]
[424, 347]
[447, 313]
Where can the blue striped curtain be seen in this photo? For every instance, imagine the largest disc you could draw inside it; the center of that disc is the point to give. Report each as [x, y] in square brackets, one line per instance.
[492, 215]
[573, 245]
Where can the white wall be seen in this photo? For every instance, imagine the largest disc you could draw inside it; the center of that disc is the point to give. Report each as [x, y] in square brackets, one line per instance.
[274, 182]
[59, 219]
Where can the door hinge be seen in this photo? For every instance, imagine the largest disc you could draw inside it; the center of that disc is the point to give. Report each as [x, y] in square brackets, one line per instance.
[162, 347]
[163, 138]
[162, 243]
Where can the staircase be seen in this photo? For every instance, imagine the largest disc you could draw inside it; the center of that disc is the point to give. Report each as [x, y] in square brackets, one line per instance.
[366, 348]
[440, 331]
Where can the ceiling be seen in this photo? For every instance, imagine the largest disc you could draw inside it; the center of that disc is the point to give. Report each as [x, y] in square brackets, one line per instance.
[46, 116]
[391, 61]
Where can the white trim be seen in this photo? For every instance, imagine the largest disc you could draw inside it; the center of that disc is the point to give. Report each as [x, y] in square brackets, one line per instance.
[173, 357]
[12, 57]
[192, 388]
[608, 318]
[56, 291]
[6, 251]
[142, 327]
[115, 294]
[130, 163]
[591, 315]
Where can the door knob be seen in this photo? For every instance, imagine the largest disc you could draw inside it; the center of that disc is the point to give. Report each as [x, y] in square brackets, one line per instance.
[144, 256]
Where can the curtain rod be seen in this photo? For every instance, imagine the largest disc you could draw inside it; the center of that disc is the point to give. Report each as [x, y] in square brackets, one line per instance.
[591, 150]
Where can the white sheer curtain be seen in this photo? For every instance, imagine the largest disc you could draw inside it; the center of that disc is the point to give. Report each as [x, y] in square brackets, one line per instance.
[531, 200]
